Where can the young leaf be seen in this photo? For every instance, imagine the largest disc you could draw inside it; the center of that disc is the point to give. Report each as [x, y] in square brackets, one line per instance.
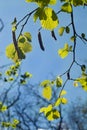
[25, 47]
[37, 14]
[77, 2]
[66, 7]
[63, 52]
[75, 84]
[45, 83]
[83, 68]
[64, 100]
[61, 31]
[67, 29]
[63, 93]
[22, 39]
[47, 92]
[15, 121]
[49, 19]
[73, 38]
[52, 2]
[28, 36]
[50, 113]
[83, 35]
[46, 109]
[58, 102]
[5, 124]
[3, 108]
[30, 0]
[59, 81]
[83, 81]
[56, 114]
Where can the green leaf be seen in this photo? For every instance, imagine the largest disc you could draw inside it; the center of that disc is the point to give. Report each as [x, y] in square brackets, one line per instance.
[15, 121]
[67, 29]
[50, 113]
[66, 7]
[83, 35]
[22, 81]
[30, 0]
[59, 81]
[3, 108]
[46, 109]
[64, 101]
[0, 74]
[27, 75]
[49, 19]
[52, 2]
[22, 39]
[43, 3]
[73, 38]
[58, 102]
[25, 47]
[63, 52]
[28, 36]
[12, 53]
[56, 114]
[14, 25]
[36, 14]
[83, 81]
[61, 31]
[21, 55]
[83, 68]
[45, 83]
[47, 92]
[63, 93]
[77, 2]
[13, 126]
[5, 124]
[75, 84]
[11, 79]
[70, 48]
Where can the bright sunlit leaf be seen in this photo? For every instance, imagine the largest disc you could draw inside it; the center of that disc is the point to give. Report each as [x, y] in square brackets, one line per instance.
[63, 52]
[50, 113]
[46, 109]
[45, 83]
[64, 101]
[47, 92]
[58, 102]
[49, 19]
[26, 47]
[56, 114]
[66, 7]
[83, 81]
[61, 31]
[63, 93]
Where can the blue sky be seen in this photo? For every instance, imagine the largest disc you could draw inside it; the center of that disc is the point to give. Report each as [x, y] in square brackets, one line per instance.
[43, 65]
